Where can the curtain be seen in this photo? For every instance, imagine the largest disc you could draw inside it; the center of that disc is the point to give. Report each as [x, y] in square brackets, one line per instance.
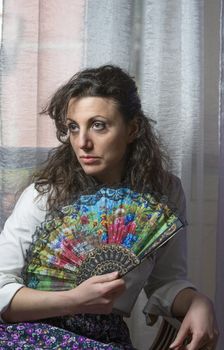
[172, 48]
[220, 237]
[42, 46]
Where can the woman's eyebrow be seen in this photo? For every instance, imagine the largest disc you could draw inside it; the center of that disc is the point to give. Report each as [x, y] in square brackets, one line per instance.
[72, 120]
[91, 118]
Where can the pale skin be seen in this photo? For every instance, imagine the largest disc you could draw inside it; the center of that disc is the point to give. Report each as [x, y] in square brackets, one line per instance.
[199, 321]
[100, 137]
[96, 295]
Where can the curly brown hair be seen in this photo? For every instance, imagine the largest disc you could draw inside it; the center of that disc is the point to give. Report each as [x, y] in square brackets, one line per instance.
[62, 177]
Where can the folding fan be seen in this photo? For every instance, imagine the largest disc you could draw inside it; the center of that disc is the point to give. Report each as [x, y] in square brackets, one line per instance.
[113, 229]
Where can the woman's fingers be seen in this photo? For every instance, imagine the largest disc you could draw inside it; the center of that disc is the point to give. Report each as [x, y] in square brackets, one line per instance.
[181, 336]
[200, 324]
[104, 278]
[108, 283]
[97, 294]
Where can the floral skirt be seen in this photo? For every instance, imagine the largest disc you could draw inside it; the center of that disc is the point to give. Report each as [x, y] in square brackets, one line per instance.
[106, 332]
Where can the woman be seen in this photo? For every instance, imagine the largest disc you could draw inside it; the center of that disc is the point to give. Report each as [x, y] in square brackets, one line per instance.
[106, 140]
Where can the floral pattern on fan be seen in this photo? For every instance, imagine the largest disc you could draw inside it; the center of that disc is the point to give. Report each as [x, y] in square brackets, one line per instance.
[112, 229]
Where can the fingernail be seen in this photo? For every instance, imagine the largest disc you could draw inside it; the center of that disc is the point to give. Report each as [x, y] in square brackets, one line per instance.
[114, 273]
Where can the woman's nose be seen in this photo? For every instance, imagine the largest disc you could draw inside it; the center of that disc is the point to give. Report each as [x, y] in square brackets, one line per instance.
[85, 141]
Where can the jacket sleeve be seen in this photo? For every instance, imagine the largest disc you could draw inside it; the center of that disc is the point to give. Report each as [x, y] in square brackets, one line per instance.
[15, 239]
[169, 275]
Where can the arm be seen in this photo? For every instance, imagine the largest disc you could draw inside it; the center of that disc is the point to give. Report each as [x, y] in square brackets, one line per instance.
[95, 295]
[169, 275]
[199, 321]
[171, 294]
[15, 240]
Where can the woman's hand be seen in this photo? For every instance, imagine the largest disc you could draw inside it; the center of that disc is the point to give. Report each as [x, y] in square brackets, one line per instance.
[95, 295]
[200, 324]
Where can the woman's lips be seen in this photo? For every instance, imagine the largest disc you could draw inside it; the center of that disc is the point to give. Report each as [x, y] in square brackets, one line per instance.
[89, 159]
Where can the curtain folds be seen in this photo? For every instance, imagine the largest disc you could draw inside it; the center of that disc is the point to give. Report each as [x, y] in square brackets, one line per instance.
[108, 33]
[42, 46]
[220, 237]
[172, 49]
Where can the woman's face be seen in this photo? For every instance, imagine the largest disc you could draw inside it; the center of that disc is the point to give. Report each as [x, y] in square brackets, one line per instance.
[99, 137]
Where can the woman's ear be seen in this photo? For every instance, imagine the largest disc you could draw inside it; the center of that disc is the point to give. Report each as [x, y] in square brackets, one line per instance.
[133, 130]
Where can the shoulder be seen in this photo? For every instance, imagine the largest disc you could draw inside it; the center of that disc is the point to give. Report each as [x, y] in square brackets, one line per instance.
[174, 185]
[28, 213]
[30, 196]
[30, 205]
[175, 194]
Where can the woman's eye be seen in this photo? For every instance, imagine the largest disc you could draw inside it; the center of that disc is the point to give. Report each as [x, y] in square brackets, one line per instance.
[98, 125]
[72, 127]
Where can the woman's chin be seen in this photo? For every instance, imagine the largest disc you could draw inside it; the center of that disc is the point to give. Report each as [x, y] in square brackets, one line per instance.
[94, 173]
[103, 176]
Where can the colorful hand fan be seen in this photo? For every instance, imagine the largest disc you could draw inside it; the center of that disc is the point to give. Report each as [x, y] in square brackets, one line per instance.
[113, 229]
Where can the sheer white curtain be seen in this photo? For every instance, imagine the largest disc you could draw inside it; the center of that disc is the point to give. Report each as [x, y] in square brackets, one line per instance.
[172, 90]
[179, 86]
[172, 49]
